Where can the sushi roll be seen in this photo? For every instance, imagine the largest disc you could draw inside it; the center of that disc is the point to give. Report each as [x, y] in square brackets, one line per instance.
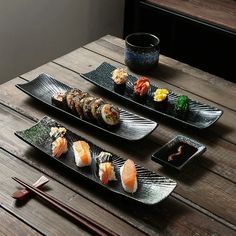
[95, 105]
[181, 106]
[128, 176]
[87, 108]
[59, 100]
[70, 98]
[82, 153]
[106, 171]
[77, 101]
[160, 98]
[108, 115]
[141, 88]
[59, 146]
[119, 77]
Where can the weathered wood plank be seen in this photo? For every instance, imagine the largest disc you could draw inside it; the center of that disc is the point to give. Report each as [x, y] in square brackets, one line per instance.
[42, 217]
[173, 72]
[169, 217]
[10, 225]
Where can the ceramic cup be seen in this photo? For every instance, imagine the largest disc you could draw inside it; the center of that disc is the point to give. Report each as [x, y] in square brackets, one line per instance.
[141, 51]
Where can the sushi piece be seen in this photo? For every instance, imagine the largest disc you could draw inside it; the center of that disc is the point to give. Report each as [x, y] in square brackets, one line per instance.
[82, 153]
[160, 98]
[59, 100]
[59, 146]
[182, 106]
[141, 87]
[77, 101]
[105, 167]
[108, 115]
[57, 132]
[69, 98]
[128, 176]
[95, 105]
[87, 107]
[119, 77]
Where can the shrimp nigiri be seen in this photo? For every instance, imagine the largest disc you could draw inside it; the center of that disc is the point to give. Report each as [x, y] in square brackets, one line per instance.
[129, 176]
[59, 146]
[82, 153]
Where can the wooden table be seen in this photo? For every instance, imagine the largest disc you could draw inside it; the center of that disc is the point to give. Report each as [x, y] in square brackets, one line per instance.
[203, 202]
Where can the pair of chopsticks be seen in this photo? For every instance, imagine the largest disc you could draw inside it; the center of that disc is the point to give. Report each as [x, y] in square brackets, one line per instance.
[80, 218]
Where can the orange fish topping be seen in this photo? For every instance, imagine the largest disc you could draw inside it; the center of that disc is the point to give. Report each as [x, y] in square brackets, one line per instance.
[141, 86]
[83, 150]
[129, 173]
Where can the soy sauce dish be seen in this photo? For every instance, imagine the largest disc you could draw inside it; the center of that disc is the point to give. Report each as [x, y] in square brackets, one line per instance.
[179, 152]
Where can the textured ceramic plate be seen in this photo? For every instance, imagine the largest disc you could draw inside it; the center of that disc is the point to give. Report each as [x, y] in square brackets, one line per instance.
[199, 115]
[191, 150]
[132, 127]
[152, 188]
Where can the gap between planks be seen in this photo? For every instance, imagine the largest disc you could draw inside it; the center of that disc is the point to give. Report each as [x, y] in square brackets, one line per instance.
[174, 195]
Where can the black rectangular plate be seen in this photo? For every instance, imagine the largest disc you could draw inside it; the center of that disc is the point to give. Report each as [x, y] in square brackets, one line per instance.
[132, 127]
[199, 115]
[152, 188]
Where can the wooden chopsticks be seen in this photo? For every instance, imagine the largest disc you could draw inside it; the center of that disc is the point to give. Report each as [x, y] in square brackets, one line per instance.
[80, 218]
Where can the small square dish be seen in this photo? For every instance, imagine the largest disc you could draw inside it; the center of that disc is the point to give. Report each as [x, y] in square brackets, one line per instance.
[179, 152]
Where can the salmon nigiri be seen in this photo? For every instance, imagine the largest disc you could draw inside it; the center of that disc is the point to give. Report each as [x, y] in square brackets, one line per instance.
[59, 146]
[82, 153]
[129, 176]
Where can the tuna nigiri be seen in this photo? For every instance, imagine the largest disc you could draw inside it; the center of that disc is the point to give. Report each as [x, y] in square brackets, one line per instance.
[105, 167]
[129, 176]
[82, 153]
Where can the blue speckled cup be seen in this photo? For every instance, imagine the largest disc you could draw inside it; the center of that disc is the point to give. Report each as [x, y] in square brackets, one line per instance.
[142, 51]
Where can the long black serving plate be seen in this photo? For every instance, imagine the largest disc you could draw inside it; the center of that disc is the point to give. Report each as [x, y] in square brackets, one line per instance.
[152, 188]
[132, 127]
[199, 115]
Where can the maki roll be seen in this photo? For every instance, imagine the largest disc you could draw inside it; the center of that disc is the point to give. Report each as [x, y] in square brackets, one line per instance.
[95, 105]
[82, 153]
[70, 98]
[160, 98]
[119, 77]
[106, 171]
[59, 100]
[141, 87]
[108, 115]
[128, 176]
[77, 101]
[87, 107]
[181, 106]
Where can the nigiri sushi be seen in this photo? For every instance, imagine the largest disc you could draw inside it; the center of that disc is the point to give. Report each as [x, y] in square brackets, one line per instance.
[105, 167]
[82, 153]
[59, 146]
[128, 176]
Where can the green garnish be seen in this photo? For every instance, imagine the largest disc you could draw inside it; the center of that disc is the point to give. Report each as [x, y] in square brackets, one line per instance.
[182, 103]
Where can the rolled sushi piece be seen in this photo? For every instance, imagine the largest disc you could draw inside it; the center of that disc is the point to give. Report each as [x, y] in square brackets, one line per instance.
[105, 167]
[87, 107]
[59, 100]
[95, 105]
[160, 98]
[77, 101]
[128, 176]
[70, 98]
[182, 106]
[108, 115]
[82, 153]
[119, 77]
[59, 147]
